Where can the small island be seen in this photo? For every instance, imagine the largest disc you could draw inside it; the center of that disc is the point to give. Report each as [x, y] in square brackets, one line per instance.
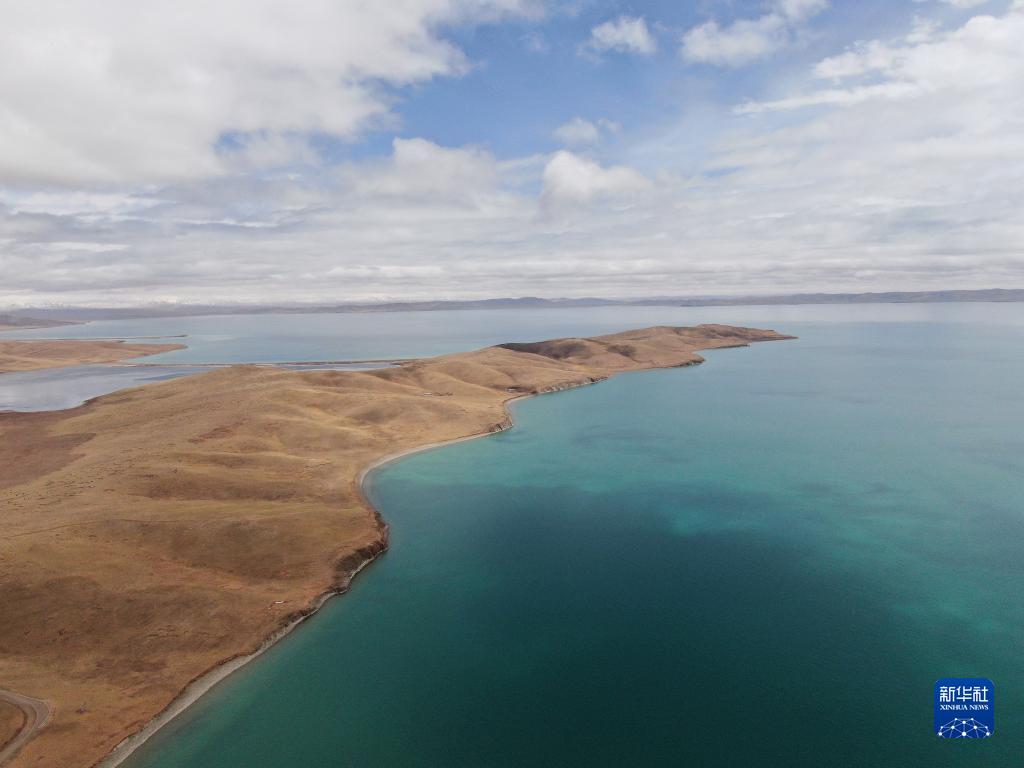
[154, 539]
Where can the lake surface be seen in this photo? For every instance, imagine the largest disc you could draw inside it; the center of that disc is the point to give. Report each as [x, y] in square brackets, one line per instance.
[353, 336]
[51, 389]
[765, 560]
[281, 339]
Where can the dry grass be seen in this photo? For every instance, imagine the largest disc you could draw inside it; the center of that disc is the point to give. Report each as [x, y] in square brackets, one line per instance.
[33, 355]
[153, 533]
[11, 721]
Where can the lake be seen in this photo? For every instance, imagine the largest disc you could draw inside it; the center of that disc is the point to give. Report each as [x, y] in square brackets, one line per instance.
[356, 336]
[50, 389]
[764, 560]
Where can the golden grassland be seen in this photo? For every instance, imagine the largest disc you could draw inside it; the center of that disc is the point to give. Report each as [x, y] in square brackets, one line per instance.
[152, 534]
[11, 720]
[57, 353]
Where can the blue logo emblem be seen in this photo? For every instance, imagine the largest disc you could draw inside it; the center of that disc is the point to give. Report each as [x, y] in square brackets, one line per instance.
[964, 708]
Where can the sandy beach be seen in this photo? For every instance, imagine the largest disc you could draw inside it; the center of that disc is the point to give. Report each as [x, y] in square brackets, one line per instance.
[156, 539]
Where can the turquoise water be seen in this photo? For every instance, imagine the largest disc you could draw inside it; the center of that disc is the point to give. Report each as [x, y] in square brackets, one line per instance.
[766, 560]
[279, 339]
[287, 338]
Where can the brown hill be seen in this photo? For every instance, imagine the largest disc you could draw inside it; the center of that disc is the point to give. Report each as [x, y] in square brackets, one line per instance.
[151, 534]
[11, 721]
[57, 353]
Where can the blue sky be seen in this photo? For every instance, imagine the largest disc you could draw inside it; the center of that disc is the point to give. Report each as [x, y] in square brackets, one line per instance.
[515, 96]
[331, 150]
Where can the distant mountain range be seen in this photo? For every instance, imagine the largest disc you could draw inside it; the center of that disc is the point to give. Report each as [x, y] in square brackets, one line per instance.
[891, 297]
[41, 316]
[11, 321]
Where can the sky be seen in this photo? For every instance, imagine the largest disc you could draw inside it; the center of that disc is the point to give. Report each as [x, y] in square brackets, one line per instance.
[357, 150]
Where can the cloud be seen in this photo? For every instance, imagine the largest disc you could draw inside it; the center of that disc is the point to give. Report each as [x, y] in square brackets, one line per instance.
[746, 40]
[625, 34]
[905, 174]
[147, 91]
[570, 179]
[800, 10]
[982, 58]
[422, 170]
[964, 3]
[581, 131]
[578, 131]
[535, 42]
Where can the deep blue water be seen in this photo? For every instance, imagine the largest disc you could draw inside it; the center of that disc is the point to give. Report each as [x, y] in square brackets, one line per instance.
[766, 560]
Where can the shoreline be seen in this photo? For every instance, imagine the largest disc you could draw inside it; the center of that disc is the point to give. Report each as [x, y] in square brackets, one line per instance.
[387, 414]
[213, 677]
[279, 364]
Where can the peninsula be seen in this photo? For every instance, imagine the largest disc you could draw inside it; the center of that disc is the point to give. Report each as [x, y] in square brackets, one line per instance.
[58, 353]
[153, 535]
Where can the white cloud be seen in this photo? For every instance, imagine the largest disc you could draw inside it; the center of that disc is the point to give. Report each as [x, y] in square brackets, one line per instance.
[746, 40]
[923, 30]
[422, 170]
[905, 175]
[570, 179]
[535, 42]
[983, 58]
[737, 44]
[799, 10]
[578, 131]
[911, 164]
[964, 3]
[582, 131]
[144, 91]
[76, 203]
[837, 97]
[625, 34]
